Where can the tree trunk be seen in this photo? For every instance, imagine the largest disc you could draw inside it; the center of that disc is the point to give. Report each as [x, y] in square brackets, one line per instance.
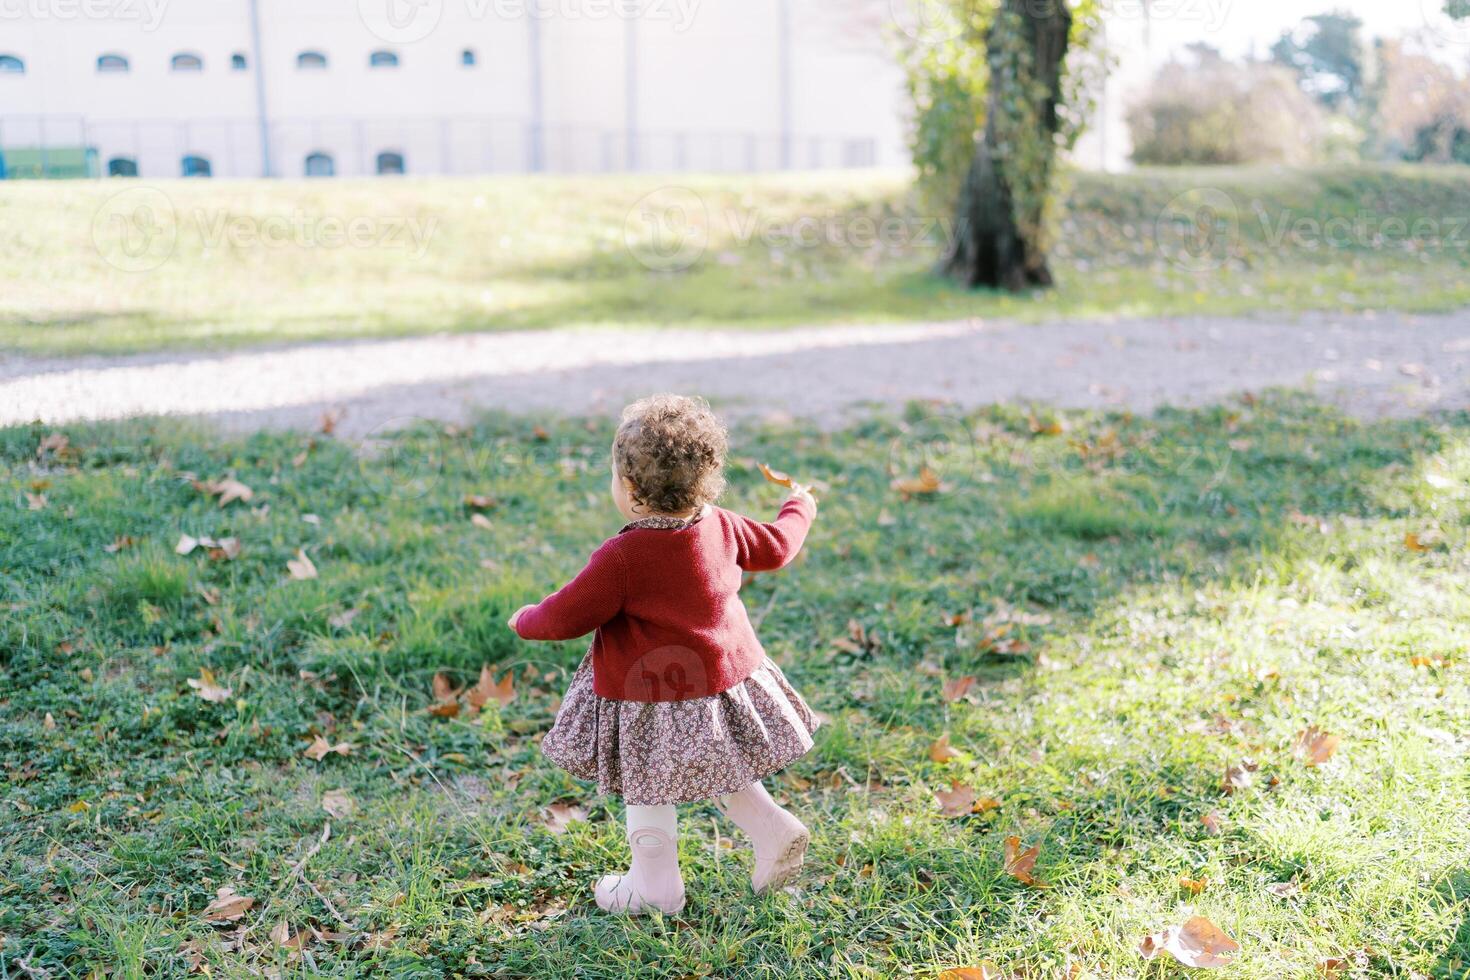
[997, 242]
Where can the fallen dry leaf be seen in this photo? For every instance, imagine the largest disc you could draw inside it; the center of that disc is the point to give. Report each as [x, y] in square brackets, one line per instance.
[956, 801]
[1019, 864]
[228, 490]
[1238, 777]
[941, 751]
[777, 477]
[186, 544]
[486, 689]
[381, 940]
[444, 709]
[1198, 943]
[1193, 885]
[36, 501]
[1333, 966]
[1284, 889]
[329, 421]
[557, 816]
[320, 748]
[225, 549]
[207, 688]
[985, 971]
[957, 688]
[480, 521]
[54, 442]
[338, 804]
[343, 619]
[301, 567]
[121, 542]
[926, 483]
[227, 906]
[281, 935]
[443, 688]
[1211, 821]
[1314, 746]
[477, 501]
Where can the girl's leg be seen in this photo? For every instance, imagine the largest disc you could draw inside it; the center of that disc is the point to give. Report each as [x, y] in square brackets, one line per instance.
[778, 837]
[653, 880]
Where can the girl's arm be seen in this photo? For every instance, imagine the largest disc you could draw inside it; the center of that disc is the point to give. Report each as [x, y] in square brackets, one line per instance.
[580, 606]
[764, 547]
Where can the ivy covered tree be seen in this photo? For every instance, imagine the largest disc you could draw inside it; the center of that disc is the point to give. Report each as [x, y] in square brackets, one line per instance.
[998, 89]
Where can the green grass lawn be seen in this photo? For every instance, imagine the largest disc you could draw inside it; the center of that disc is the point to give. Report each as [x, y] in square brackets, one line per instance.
[1152, 601]
[192, 264]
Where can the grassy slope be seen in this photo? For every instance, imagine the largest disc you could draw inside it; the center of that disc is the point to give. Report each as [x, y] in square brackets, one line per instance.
[1230, 577]
[527, 252]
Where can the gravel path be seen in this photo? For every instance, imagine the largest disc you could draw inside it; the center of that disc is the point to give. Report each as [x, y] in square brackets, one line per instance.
[1371, 365]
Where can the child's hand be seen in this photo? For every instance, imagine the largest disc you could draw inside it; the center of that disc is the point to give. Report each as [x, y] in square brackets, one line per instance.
[515, 616]
[800, 492]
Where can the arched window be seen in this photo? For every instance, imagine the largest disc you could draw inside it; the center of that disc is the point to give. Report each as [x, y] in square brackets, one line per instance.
[320, 165]
[122, 167]
[311, 61]
[238, 62]
[468, 58]
[390, 162]
[11, 65]
[196, 166]
[112, 62]
[382, 59]
[184, 61]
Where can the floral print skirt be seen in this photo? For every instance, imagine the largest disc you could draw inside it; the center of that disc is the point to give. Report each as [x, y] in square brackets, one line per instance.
[657, 752]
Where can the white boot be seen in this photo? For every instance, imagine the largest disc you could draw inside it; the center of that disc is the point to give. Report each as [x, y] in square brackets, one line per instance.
[779, 838]
[653, 880]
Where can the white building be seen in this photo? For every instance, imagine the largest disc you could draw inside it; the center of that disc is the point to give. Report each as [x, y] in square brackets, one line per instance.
[242, 88]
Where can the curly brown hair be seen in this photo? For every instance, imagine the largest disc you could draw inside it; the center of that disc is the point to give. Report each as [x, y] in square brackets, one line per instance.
[672, 450]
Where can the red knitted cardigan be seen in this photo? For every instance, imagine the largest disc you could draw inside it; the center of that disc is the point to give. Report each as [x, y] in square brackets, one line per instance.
[666, 606]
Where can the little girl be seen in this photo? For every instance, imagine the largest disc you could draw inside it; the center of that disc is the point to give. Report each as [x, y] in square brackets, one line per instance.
[676, 700]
